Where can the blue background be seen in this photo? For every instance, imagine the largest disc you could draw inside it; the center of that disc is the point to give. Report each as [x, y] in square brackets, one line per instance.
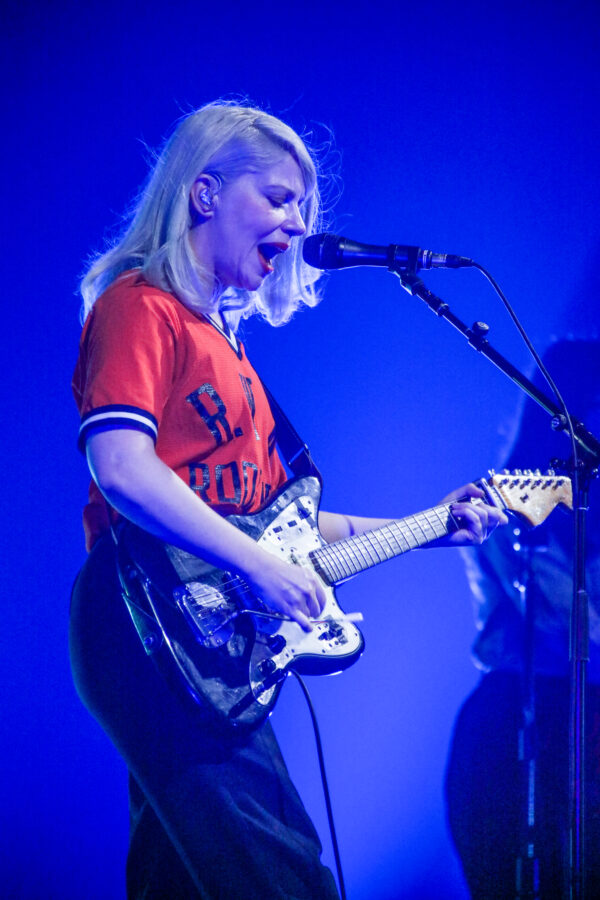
[458, 128]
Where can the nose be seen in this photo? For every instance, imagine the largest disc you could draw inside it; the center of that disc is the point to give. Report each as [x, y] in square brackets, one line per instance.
[294, 225]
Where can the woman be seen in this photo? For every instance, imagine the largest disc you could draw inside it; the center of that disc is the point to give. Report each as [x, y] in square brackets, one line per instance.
[178, 433]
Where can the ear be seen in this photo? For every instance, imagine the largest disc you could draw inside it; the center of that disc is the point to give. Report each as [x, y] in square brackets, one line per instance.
[203, 196]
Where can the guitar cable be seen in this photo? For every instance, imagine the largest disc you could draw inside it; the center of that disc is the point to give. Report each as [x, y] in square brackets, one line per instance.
[324, 782]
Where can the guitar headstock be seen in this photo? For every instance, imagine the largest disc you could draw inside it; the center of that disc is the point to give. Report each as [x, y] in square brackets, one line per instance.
[532, 495]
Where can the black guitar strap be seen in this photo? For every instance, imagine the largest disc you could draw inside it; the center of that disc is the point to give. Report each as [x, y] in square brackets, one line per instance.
[294, 450]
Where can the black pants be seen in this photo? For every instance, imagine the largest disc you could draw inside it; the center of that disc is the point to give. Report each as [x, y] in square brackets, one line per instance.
[210, 818]
[485, 796]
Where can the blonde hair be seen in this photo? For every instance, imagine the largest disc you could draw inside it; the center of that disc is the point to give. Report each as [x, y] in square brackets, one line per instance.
[226, 140]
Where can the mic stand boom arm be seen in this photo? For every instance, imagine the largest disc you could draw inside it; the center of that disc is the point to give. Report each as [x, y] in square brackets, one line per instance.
[476, 336]
[587, 467]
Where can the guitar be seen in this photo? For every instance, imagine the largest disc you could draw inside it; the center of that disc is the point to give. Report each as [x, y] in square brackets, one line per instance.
[208, 633]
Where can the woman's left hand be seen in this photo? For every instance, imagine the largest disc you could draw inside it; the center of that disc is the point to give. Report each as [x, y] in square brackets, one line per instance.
[476, 519]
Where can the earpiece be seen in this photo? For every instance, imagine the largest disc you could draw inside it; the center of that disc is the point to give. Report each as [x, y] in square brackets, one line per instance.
[207, 199]
[203, 195]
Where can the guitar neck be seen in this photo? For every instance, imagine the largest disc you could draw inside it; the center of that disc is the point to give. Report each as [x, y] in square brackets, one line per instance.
[530, 495]
[342, 559]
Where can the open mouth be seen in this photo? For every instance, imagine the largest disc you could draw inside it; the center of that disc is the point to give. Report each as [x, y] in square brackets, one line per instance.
[268, 252]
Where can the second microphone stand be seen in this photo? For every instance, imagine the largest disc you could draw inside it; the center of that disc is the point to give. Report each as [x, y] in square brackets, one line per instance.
[583, 468]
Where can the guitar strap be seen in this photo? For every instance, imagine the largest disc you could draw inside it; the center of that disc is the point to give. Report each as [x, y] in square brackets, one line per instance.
[294, 450]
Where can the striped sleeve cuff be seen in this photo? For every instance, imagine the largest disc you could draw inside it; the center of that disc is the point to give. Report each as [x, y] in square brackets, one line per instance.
[104, 418]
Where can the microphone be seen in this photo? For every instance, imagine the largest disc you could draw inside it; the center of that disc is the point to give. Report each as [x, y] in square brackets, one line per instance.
[329, 251]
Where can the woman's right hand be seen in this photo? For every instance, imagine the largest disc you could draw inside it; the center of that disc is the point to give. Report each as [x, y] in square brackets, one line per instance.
[294, 590]
[143, 489]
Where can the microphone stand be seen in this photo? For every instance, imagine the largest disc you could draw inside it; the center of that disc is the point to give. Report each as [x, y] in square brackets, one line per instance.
[583, 471]
[527, 863]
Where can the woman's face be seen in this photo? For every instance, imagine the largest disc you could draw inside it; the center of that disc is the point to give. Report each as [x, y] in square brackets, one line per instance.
[253, 220]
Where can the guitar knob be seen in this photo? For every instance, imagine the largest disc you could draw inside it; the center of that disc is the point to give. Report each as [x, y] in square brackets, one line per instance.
[266, 667]
[276, 643]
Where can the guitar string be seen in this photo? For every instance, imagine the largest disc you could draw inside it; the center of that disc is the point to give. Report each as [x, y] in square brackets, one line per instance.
[397, 542]
[342, 550]
[396, 534]
[372, 541]
[340, 559]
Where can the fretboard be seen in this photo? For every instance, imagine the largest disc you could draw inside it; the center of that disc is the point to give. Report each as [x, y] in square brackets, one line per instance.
[342, 559]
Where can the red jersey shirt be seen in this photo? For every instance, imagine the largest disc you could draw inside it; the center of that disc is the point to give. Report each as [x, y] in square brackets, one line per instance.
[148, 362]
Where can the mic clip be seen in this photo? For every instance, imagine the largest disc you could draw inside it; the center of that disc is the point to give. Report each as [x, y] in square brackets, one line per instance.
[412, 259]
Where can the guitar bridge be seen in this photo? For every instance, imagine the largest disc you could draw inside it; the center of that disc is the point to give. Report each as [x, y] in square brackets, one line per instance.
[208, 613]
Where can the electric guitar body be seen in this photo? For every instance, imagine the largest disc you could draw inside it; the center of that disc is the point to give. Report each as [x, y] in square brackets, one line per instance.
[207, 632]
[226, 650]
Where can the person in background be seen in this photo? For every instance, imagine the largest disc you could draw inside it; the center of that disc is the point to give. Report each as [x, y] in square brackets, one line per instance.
[525, 674]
